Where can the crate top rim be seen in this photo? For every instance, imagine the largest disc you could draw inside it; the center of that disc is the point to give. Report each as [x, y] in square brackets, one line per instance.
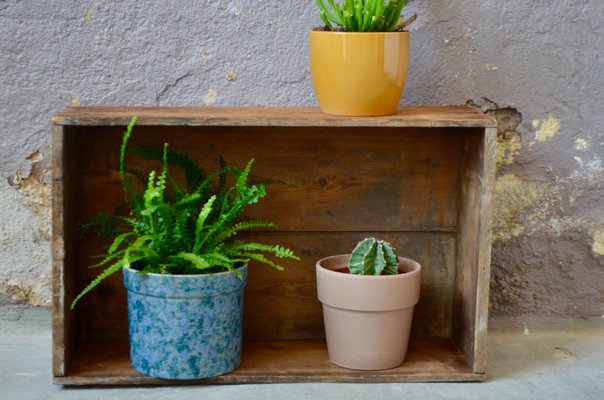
[415, 116]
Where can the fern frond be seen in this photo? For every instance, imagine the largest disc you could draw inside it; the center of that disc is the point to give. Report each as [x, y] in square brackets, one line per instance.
[198, 261]
[216, 258]
[194, 175]
[186, 200]
[239, 227]
[140, 242]
[118, 240]
[241, 183]
[278, 251]
[203, 215]
[130, 197]
[150, 194]
[161, 181]
[174, 232]
[106, 273]
[283, 252]
[262, 259]
[107, 258]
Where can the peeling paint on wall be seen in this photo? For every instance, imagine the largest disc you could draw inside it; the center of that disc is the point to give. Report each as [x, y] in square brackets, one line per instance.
[25, 265]
[516, 203]
[598, 242]
[507, 151]
[531, 208]
[210, 97]
[461, 44]
[547, 129]
[38, 195]
[581, 144]
[89, 13]
[590, 170]
[509, 142]
[203, 57]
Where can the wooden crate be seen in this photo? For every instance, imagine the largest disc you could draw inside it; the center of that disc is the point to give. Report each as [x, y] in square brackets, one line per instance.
[421, 179]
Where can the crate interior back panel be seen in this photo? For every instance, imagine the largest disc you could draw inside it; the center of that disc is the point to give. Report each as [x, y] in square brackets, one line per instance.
[419, 181]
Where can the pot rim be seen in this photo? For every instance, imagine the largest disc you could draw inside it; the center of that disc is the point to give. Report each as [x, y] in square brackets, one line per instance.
[416, 269]
[314, 31]
[184, 276]
[367, 293]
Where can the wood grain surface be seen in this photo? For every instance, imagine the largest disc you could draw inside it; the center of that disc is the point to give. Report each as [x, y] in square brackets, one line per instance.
[434, 116]
[471, 304]
[64, 243]
[357, 179]
[421, 179]
[279, 361]
[283, 304]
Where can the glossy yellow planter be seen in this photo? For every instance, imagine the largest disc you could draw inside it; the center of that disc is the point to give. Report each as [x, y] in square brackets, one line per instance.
[359, 73]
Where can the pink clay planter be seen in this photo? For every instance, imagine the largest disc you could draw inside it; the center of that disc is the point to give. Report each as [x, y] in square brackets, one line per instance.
[367, 318]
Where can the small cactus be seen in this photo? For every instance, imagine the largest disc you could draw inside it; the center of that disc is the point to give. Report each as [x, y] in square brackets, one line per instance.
[373, 257]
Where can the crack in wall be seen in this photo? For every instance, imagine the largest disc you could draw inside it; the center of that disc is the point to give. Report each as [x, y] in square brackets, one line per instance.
[168, 87]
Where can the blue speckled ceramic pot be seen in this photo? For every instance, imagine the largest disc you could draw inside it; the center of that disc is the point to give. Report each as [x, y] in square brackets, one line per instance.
[185, 326]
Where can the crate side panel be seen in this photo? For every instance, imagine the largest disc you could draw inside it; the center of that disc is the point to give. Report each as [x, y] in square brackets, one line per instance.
[473, 245]
[64, 244]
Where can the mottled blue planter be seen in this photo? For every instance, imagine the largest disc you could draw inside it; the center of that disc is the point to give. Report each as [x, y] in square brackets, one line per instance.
[185, 326]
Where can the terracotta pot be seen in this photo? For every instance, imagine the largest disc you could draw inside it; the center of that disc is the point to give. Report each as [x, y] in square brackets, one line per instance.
[367, 318]
[359, 73]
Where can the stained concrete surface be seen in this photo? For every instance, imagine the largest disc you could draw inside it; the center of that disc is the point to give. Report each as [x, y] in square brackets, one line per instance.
[546, 360]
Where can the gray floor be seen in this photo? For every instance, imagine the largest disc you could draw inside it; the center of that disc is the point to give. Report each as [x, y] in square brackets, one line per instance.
[535, 361]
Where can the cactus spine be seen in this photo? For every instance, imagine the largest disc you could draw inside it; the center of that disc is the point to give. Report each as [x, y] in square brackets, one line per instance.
[373, 257]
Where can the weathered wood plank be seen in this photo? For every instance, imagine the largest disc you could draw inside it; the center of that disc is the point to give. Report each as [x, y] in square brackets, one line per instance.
[60, 341]
[483, 273]
[357, 179]
[474, 245]
[63, 244]
[436, 116]
[421, 178]
[279, 361]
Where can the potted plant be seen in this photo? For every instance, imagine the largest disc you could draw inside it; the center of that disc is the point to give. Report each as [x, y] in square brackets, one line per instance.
[368, 298]
[182, 267]
[359, 66]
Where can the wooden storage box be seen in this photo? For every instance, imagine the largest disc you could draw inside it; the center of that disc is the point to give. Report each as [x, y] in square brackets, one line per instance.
[421, 179]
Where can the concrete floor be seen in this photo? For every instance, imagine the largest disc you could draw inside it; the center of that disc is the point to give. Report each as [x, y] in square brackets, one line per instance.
[536, 361]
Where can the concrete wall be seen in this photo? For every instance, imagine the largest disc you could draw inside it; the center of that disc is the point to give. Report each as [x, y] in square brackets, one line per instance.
[536, 65]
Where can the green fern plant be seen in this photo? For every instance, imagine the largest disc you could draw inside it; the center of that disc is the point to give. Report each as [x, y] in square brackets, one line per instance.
[373, 257]
[364, 15]
[174, 230]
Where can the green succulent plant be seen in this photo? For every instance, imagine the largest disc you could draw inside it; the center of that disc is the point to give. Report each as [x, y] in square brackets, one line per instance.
[373, 257]
[364, 15]
[188, 230]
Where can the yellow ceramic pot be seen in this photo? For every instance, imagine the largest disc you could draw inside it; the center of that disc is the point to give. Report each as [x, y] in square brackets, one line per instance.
[359, 73]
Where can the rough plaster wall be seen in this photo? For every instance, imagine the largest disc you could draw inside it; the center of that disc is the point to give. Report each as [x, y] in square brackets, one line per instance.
[536, 65]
